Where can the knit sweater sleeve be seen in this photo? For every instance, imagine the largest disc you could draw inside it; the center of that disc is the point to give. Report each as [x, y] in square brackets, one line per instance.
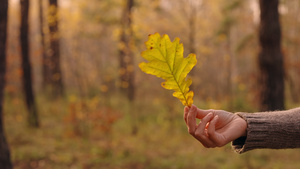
[273, 130]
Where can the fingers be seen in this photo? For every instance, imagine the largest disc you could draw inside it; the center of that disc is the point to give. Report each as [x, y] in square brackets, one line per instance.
[199, 112]
[205, 131]
[190, 115]
[202, 113]
[214, 136]
[191, 120]
[212, 126]
[201, 132]
[186, 111]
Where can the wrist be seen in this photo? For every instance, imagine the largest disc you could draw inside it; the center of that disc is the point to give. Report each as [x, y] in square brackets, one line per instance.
[242, 124]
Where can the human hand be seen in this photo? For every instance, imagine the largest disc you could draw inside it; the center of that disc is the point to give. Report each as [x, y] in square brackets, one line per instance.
[216, 128]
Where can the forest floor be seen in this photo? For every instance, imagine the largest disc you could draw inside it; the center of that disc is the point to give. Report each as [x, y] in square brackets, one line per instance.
[83, 135]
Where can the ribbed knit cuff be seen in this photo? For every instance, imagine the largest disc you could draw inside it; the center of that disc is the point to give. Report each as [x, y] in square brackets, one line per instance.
[275, 130]
[256, 133]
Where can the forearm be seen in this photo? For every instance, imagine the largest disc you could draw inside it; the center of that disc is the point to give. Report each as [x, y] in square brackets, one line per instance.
[275, 130]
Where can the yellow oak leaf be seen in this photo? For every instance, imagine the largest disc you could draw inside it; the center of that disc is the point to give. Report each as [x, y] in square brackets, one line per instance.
[166, 61]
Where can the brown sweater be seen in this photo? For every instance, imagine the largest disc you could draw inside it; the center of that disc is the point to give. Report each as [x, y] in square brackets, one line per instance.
[274, 130]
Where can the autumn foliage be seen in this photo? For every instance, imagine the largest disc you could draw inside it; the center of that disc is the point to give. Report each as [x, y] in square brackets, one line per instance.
[113, 115]
[167, 62]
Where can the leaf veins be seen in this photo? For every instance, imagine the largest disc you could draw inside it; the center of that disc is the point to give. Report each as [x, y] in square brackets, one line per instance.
[166, 61]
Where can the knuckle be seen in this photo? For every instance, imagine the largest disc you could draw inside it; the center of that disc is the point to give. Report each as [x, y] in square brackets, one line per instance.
[201, 137]
[205, 119]
[211, 110]
[199, 134]
[211, 132]
[190, 115]
[191, 131]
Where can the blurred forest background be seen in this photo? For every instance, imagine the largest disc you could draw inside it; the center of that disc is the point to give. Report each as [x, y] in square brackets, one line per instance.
[75, 98]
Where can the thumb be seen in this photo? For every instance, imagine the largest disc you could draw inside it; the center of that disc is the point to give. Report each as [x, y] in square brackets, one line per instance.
[202, 113]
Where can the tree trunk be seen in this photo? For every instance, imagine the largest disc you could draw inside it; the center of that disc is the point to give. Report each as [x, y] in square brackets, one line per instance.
[270, 57]
[5, 162]
[56, 84]
[27, 78]
[45, 59]
[192, 34]
[126, 59]
[229, 60]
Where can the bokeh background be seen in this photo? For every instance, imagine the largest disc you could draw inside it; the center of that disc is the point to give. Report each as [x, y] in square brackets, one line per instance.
[107, 114]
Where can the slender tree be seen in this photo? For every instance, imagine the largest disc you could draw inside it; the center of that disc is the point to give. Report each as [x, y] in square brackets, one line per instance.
[225, 29]
[45, 58]
[26, 67]
[56, 83]
[126, 58]
[5, 162]
[192, 20]
[270, 57]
